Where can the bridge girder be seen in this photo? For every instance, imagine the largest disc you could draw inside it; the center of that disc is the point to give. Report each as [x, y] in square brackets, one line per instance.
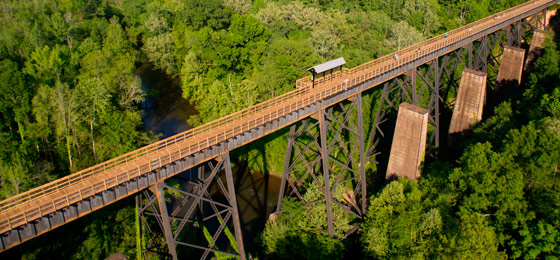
[431, 77]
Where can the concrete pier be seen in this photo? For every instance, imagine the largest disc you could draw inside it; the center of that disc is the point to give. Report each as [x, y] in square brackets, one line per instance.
[535, 50]
[469, 103]
[409, 142]
[509, 74]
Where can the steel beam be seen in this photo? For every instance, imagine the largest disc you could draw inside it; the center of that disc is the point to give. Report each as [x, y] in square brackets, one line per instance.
[326, 174]
[165, 220]
[285, 171]
[361, 144]
[233, 201]
[333, 145]
[189, 215]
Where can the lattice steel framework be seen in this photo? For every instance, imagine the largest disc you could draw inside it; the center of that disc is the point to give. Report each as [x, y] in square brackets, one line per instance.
[328, 151]
[205, 209]
[430, 85]
[420, 86]
[536, 22]
[433, 69]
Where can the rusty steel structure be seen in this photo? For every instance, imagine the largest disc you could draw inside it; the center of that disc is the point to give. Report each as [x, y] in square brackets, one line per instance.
[329, 144]
[195, 206]
[423, 75]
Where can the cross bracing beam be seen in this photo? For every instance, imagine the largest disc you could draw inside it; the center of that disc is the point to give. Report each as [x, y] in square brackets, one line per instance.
[431, 85]
[420, 86]
[41, 209]
[327, 151]
[203, 219]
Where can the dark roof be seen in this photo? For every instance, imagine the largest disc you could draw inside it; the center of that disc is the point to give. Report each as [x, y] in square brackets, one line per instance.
[327, 66]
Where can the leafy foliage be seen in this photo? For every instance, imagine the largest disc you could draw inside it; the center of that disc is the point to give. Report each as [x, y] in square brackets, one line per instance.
[301, 232]
[400, 225]
[70, 98]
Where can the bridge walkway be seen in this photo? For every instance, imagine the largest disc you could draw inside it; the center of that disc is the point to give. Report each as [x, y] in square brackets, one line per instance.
[23, 216]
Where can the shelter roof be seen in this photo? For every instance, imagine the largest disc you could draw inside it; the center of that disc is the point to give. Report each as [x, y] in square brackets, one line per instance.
[327, 66]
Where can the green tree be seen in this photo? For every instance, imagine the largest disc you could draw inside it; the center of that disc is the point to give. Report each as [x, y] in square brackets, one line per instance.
[200, 13]
[402, 35]
[95, 102]
[400, 226]
[301, 231]
[45, 65]
[13, 178]
[58, 108]
[422, 16]
[160, 51]
[476, 240]
[14, 97]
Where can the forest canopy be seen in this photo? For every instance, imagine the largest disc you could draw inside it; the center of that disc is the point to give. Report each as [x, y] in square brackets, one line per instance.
[70, 97]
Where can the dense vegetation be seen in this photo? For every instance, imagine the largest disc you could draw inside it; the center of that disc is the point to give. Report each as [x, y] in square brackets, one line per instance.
[70, 98]
[499, 200]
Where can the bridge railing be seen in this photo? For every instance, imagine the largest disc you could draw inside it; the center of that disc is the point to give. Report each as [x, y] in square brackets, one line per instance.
[92, 180]
[435, 43]
[149, 149]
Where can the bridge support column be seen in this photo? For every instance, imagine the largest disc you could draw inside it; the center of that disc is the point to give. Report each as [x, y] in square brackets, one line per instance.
[409, 142]
[509, 74]
[468, 105]
[411, 74]
[420, 86]
[535, 50]
[196, 224]
[166, 223]
[331, 142]
[483, 54]
[326, 174]
[514, 34]
[541, 20]
[478, 56]
[430, 77]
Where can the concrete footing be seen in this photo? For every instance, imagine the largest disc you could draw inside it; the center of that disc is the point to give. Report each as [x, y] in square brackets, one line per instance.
[469, 104]
[509, 74]
[535, 50]
[409, 142]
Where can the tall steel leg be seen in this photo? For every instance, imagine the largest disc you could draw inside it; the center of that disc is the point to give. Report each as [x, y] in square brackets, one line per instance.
[436, 113]
[415, 98]
[233, 200]
[361, 145]
[286, 170]
[325, 157]
[165, 220]
[470, 50]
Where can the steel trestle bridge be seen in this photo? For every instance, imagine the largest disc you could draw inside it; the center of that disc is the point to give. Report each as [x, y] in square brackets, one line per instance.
[428, 63]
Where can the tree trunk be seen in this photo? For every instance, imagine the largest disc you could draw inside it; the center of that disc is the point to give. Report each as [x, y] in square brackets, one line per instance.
[92, 140]
[20, 130]
[68, 147]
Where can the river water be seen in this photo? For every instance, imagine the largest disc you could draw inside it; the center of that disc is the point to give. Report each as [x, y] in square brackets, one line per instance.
[165, 110]
[166, 113]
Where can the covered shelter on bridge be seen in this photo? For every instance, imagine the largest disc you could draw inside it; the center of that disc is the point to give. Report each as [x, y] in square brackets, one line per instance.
[327, 68]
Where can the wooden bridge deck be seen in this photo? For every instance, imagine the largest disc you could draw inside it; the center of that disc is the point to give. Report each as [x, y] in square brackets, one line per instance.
[29, 206]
